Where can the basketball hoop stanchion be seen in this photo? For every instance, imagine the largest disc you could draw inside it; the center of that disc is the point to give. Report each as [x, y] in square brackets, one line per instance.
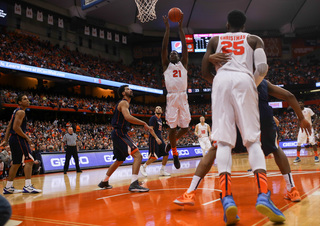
[147, 10]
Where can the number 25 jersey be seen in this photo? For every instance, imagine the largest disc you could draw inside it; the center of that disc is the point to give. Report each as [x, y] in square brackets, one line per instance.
[176, 78]
[235, 43]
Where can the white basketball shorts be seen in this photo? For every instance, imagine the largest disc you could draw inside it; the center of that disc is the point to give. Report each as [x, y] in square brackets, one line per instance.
[234, 102]
[177, 110]
[302, 137]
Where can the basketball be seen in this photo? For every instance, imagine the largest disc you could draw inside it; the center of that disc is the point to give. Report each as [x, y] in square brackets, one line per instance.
[175, 14]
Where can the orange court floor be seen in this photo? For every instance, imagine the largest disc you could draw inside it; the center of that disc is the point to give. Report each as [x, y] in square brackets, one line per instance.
[75, 199]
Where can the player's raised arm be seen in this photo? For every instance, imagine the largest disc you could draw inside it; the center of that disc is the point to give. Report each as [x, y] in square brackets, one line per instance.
[207, 66]
[283, 94]
[184, 58]
[165, 43]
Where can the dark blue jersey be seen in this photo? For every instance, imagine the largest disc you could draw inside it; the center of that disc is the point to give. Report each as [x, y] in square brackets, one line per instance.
[266, 111]
[157, 125]
[23, 124]
[118, 121]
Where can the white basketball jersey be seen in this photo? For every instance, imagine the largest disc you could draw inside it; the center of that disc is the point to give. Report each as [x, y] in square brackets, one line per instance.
[241, 53]
[307, 113]
[176, 78]
[203, 130]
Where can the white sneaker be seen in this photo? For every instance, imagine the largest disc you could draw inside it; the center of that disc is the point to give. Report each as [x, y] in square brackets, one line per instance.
[30, 189]
[143, 171]
[164, 173]
[11, 190]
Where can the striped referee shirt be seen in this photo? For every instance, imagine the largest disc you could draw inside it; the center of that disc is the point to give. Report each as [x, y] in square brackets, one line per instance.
[70, 139]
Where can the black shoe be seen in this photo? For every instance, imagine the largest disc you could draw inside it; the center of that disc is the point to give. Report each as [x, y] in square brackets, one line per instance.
[80, 171]
[135, 187]
[168, 147]
[105, 185]
[176, 161]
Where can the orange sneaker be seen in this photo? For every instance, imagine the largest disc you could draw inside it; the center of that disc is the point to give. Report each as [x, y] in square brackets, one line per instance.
[186, 199]
[293, 195]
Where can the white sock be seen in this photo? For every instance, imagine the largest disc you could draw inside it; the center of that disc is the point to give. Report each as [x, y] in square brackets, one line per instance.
[134, 177]
[289, 181]
[9, 184]
[145, 165]
[106, 178]
[28, 182]
[162, 167]
[194, 183]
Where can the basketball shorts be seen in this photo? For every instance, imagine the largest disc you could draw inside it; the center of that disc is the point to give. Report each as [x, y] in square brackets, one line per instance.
[302, 137]
[156, 150]
[20, 149]
[123, 146]
[234, 103]
[177, 110]
[205, 144]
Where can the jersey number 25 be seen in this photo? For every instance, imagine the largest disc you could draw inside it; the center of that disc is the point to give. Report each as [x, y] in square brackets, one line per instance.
[238, 48]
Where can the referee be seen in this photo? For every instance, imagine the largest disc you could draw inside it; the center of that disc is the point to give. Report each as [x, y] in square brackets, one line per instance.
[70, 140]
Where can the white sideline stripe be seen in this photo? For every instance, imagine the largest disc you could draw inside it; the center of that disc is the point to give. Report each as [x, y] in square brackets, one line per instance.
[13, 223]
[207, 203]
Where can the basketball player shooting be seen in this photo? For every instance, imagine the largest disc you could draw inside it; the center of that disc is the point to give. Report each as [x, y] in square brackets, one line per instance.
[176, 81]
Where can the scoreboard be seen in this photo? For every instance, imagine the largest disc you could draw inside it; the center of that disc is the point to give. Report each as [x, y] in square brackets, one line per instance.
[196, 43]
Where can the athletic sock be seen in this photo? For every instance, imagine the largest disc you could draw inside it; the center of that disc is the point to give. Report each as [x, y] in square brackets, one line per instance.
[134, 177]
[106, 178]
[162, 167]
[145, 165]
[28, 182]
[262, 182]
[194, 183]
[315, 153]
[225, 184]
[174, 151]
[289, 181]
[9, 184]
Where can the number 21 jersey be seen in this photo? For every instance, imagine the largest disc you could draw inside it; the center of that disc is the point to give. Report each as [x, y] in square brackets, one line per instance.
[240, 51]
[176, 78]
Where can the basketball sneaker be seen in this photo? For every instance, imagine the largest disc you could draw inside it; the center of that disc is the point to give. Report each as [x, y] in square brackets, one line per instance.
[297, 160]
[176, 161]
[143, 171]
[30, 189]
[186, 199]
[316, 158]
[265, 206]
[164, 173]
[135, 187]
[104, 185]
[230, 210]
[168, 147]
[11, 190]
[293, 195]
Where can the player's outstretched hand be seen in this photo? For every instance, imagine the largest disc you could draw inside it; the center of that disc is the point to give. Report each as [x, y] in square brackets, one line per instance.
[305, 126]
[147, 128]
[166, 21]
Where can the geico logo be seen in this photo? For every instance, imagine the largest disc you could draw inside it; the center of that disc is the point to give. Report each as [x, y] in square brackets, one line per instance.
[108, 158]
[144, 155]
[289, 144]
[183, 152]
[55, 162]
[198, 151]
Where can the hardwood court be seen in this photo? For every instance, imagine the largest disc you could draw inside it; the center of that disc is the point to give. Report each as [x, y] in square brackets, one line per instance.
[74, 199]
